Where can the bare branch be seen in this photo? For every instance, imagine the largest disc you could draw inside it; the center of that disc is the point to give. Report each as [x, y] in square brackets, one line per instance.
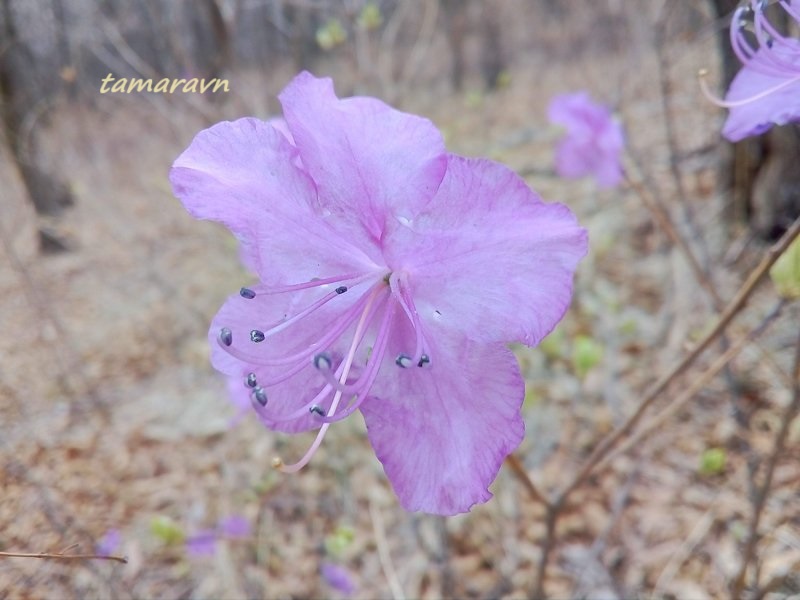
[57, 556]
[762, 493]
[733, 308]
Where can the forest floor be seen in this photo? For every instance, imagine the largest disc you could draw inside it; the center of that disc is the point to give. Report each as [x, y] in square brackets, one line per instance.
[112, 419]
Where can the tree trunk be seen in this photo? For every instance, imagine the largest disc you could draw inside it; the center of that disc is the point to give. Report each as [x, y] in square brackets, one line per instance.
[18, 94]
[456, 26]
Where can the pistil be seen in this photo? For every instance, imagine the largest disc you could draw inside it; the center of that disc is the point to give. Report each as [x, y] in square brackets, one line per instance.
[348, 363]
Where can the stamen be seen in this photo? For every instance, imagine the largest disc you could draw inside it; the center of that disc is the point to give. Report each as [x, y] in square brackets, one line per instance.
[251, 380]
[341, 289]
[358, 277]
[247, 293]
[774, 54]
[795, 13]
[302, 356]
[257, 336]
[323, 361]
[424, 360]
[404, 361]
[280, 326]
[348, 362]
[363, 387]
[305, 409]
[302, 364]
[703, 73]
[407, 303]
[260, 396]
[316, 409]
[225, 336]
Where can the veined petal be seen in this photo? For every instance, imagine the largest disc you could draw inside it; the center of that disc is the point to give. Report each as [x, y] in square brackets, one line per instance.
[488, 259]
[370, 162]
[442, 432]
[244, 175]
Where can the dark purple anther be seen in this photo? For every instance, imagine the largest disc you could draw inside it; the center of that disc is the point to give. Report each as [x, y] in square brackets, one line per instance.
[260, 395]
[256, 336]
[403, 360]
[226, 336]
[323, 361]
[251, 380]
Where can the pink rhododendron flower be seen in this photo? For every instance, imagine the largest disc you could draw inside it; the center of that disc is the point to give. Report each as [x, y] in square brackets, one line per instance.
[204, 541]
[338, 578]
[766, 91]
[392, 276]
[109, 543]
[235, 527]
[593, 142]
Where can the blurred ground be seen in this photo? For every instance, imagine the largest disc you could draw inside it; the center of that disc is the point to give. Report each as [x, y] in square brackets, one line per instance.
[113, 419]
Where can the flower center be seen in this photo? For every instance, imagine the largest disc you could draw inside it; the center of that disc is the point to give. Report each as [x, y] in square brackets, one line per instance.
[373, 311]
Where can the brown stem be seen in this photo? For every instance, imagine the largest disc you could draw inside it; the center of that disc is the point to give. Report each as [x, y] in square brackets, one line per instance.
[659, 386]
[49, 555]
[547, 548]
[664, 221]
[693, 388]
[519, 470]
[762, 493]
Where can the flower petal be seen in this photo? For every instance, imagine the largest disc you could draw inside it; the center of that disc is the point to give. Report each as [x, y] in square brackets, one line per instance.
[574, 111]
[370, 162]
[244, 174]
[443, 431]
[594, 140]
[488, 259]
[757, 116]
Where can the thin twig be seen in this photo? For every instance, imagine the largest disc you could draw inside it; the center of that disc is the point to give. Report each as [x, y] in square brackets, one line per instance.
[691, 391]
[665, 86]
[57, 556]
[664, 221]
[777, 581]
[553, 512]
[519, 470]
[748, 287]
[383, 552]
[761, 495]
[685, 550]
[733, 308]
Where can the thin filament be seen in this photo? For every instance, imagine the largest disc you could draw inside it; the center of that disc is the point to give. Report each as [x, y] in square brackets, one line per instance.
[348, 363]
[364, 382]
[267, 289]
[309, 352]
[411, 312]
[379, 351]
